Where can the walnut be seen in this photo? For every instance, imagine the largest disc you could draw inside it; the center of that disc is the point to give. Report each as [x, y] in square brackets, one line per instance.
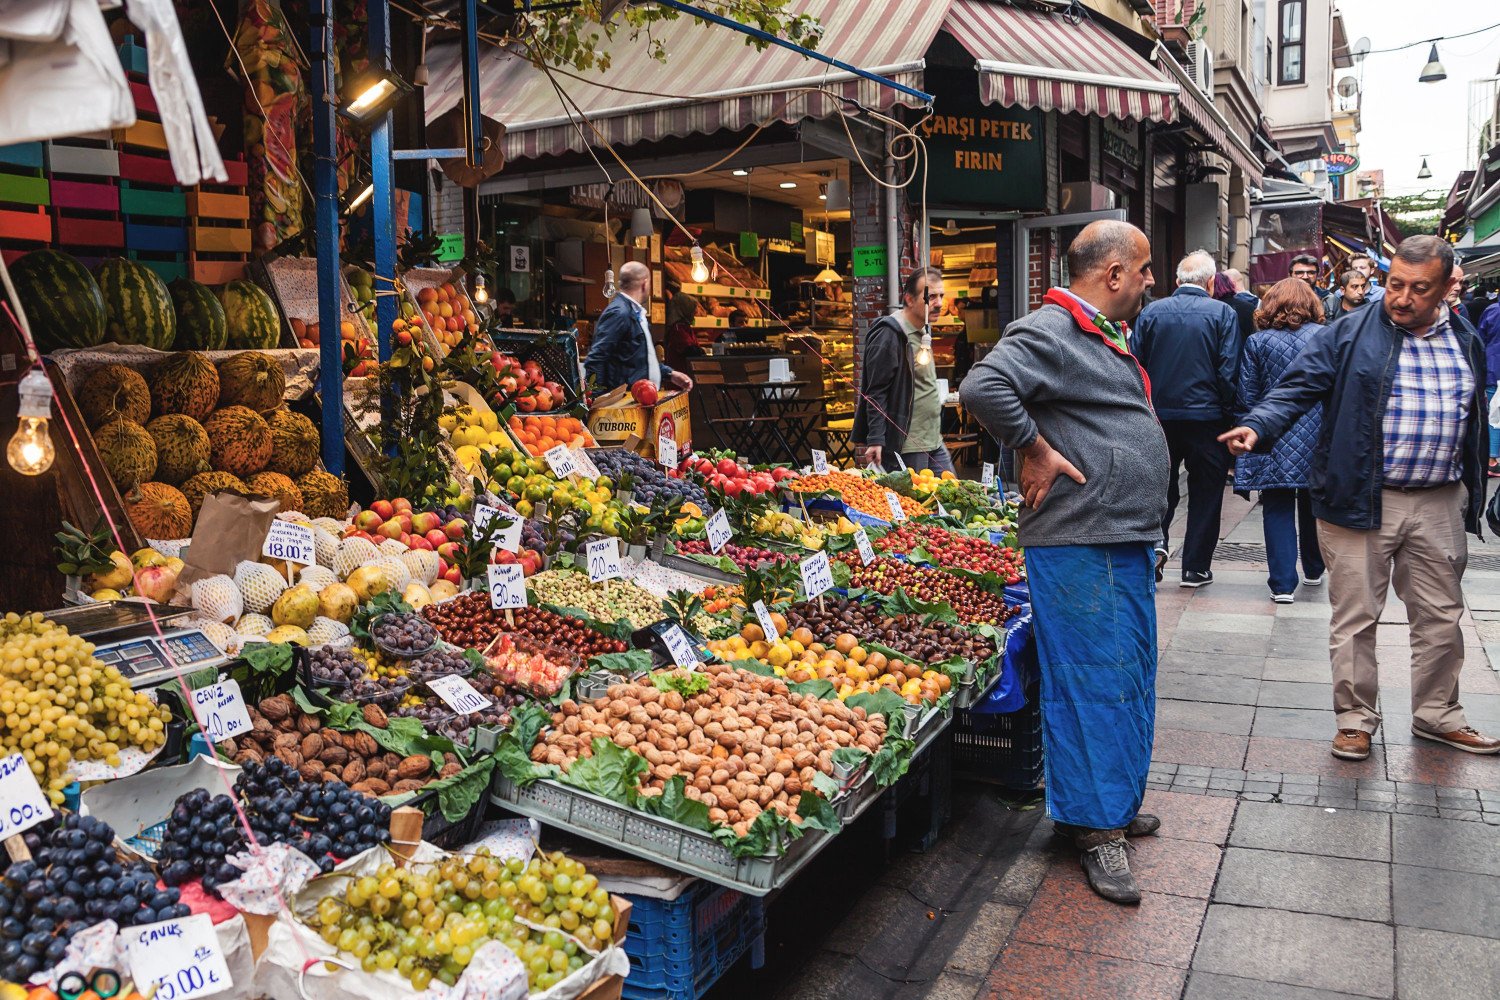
[375, 716]
[334, 738]
[287, 741]
[312, 745]
[451, 758]
[308, 723]
[291, 757]
[249, 754]
[227, 747]
[363, 744]
[334, 756]
[375, 768]
[414, 766]
[392, 760]
[278, 708]
[449, 770]
[377, 786]
[332, 774]
[311, 770]
[354, 771]
[408, 785]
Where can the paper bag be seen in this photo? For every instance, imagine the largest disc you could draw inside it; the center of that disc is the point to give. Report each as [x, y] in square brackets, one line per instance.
[230, 528]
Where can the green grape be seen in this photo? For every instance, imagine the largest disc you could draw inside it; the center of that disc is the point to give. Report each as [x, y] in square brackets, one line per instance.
[444, 942]
[347, 939]
[408, 899]
[361, 949]
[490, 890]
[515, 866]
[330, 934]
[568, 920]
[423, 887]
[380, 905]
[390, 888]
[559, 961]
[427, 948]
[562, 884]
[368, 963]
[410, 919]
[537, 892]
[433, 921]
[463, 954]
[446, 977]
[405, 964]
[602, 929]
[420, 977]
[386, 960]
[508, 889]
[538, 965]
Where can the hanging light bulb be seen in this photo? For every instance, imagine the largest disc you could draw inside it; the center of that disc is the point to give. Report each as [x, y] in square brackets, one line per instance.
[419, 76]
[610, 288]
[700, 269]
[30, 450]
[924, 352]
[1425, 172]
[481, 294]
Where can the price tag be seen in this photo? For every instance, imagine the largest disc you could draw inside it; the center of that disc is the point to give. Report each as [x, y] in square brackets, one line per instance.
[820, 462]
[899, 460]
[585, 464]
[894, 502]
[987, 475]
[221, 710]
[817, 575]
[292, 542]
[941, 509]
[942, 388]
[459, 694]
[510, 538]
[718, 530]
[179, 958]
[22, 803]
[507, 586]
[603, 555]
[560, 461]
[767, 623]
[666, 450]
[862, 542]
[681, 647]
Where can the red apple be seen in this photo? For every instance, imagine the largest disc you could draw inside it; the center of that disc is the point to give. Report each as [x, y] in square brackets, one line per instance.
[404, 519]
[418, 542]
[367, 520]
[384, 508]
[435, 536]
[402, 505]
[504, 557]
[449, 551]
[452, 576]
[390, 529]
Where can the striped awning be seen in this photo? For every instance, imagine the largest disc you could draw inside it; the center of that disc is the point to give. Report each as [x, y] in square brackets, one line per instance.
[711, 79]
[1054, 62]
[1198, 108]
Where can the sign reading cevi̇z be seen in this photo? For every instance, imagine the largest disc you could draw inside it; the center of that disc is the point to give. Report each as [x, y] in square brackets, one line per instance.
[984, 155]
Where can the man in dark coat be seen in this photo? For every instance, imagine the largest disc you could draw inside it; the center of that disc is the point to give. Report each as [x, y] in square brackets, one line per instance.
[622, 352]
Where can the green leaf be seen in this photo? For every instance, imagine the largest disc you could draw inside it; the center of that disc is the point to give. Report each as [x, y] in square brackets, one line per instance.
[901, 602]
[921, 556]
[475, 658]
[754, 667]
[273, 658]
[889, 765]
[674, 805]
[527, 721]
[825, 785]
[389, 602]
[767, 831]
[817, 688]
[817, 814]
[513, 758]
[460, 793]
[887, 703]
[629, 663]
[612, 772]
[841, 572]
[685, 683]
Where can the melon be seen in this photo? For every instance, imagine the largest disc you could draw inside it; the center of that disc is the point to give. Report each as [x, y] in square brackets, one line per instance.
[352, 554]
[251, 379]
[200, 317]
[128, 452]
[157, 510]
[325, 630]
[294, 443]
[182, 448]
[323, 495]
[274, 484]
[255, 624]
[239, 440]
[250, 316]
[138, 308]
[204, 483]
[112, 392]
[187, 383]
[259, 584]
[219, 599]
[62, 300]
[317, 577]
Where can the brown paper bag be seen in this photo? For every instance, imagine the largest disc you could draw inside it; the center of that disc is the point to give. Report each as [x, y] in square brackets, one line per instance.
[230, 528]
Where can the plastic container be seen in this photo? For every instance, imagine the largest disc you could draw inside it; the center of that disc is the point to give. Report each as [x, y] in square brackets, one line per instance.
[402, 654]
[1000, 748]
[510, 655]
[679, 948]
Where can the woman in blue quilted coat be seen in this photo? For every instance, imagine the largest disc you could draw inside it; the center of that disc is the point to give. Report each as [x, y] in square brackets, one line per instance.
[1289, 315]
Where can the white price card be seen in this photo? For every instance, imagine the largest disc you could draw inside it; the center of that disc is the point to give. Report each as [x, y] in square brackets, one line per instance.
[666, 450]
[585, 464]
[292, 542]
[178, 958]
[560, 461]
[817, 575]
[941, 509]
[509, 539]
[681, 647]
[862, 542]
[459, 694]
[942, 388]
[22, 802]
[894, 502]
[987, 475]
[221, 710]
[718, 529]
[507, 586]
[767, 623]
[820, 462]
[603, 555]
[899, 460]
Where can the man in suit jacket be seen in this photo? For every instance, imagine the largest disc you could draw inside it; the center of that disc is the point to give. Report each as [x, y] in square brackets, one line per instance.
[621, 352]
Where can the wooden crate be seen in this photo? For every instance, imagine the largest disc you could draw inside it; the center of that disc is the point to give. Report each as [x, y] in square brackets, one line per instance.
[33, 226]
[137, 166]
[151, 200]
[215, 272]
[168, 266]
[83, 159]
[219, 239]
[86, 196]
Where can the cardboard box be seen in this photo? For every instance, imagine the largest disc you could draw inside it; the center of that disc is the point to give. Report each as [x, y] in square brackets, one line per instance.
[617, 420]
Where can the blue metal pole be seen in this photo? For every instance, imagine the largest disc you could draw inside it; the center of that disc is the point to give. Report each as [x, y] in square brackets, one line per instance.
[326, 201]
[473, 114]
[382, 175]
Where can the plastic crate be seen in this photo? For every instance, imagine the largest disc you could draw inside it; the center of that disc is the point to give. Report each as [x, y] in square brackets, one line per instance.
[1002, 749]
[557, 353]
[679, 948]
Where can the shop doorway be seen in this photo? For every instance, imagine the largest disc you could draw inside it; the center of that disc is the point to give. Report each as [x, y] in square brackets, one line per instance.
[1067, 226]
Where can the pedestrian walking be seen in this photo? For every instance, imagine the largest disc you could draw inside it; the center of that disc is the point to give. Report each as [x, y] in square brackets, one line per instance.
[899, 411]
[1489, 334]
[1287, 320]
[622, 351]
[1397, 477]
[1305, 267]
[1365, 264]
[1189, 345]
[1062, 389]
[1244, 303]
[1347, 296]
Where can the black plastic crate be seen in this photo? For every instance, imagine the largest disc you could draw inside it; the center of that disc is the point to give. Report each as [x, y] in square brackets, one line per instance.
[557, 353]
[1000, 748]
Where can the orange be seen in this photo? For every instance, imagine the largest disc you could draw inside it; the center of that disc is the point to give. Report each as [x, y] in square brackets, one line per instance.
[752, 632]
[803, 635]
[845, 642]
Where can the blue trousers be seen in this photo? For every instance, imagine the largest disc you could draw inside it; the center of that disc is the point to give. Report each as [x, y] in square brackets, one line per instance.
[1290, 530]
[1095, 615]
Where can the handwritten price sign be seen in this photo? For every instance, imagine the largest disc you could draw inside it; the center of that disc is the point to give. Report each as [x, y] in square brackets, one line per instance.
[180, 958]
[22, 803]
[987, 475]
[507, 586]
[666, 450]
[510, 537]
[560, 461]
[817, 575]
[585, 464]
[681, 647]
[291, 542]
[222, 710]
[862, 542]
[820, 462]
[603, 555]
[894, 502]
[459, 694]
[767, 623]
[718, 529]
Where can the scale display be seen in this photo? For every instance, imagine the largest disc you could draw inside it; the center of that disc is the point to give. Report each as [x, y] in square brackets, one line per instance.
[148, 660]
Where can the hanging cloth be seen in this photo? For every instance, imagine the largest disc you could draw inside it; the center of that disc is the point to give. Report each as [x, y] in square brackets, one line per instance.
[70, 85]
[190, 140]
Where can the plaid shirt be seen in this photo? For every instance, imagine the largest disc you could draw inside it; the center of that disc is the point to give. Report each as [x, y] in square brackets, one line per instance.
[1428, 408]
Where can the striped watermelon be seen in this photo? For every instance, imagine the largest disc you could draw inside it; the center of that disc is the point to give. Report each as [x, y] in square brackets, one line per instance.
[200, 318]
[61, 300]
[137, 303]
[254, 324]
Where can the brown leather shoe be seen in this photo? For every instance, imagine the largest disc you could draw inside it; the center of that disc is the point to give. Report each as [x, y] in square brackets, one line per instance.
[1468, 739]
[1351, 744]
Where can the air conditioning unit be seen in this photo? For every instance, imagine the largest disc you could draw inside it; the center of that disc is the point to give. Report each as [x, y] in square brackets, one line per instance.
[1201, 66]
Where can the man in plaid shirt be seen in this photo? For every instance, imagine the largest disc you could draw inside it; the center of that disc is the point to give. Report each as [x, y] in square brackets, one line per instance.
[1398, 477]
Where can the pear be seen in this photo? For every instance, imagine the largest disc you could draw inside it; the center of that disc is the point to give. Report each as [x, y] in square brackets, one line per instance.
[289, 633]
[417, 595]
[441, 590]
[368, 582]
[296, 606]
[117, 577]
[337, 601]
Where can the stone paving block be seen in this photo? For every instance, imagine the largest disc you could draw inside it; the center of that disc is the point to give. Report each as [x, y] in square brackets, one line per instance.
[1037, 972]
[1376, 784]
[1371, 796]
[1381, 807]
[1293, 723]
[1408, 809]
[1276, 754]
[1250, 796]
[1293, 799]
[1065, 913]
[1335, 802]
[1209, 986]
[1446, 844]
[1435, 965]
[1301, 949]
[1175, 662]
[1221, 643]
[1237, 624]
[1342, 834]
[1437, 765]
[1458, 902]
[1416, 792]
[1194, 771]
[1297, 669]
[1224, 793]
[1185, 747]
[1293, 694]
[1189, 781]
[1207, 687]
[981, 943]
[1205, 717]
[1336, 887]
[1262, 786]
[955, 986]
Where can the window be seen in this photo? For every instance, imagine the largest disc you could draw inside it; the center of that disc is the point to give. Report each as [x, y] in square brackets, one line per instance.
[1291, 47]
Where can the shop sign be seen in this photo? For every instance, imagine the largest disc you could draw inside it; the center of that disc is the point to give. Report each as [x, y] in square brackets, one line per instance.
[1122, 143]
[626, 196]
[749, 245]
[869, 262]
[450, 247]
[985, 155]
[1340, 163]
[796, 232]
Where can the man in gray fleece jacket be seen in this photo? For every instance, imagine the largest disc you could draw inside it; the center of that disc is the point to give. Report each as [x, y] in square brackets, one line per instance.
[1062, 388]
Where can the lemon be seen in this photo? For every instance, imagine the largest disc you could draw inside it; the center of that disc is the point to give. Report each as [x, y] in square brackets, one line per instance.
[489, 421]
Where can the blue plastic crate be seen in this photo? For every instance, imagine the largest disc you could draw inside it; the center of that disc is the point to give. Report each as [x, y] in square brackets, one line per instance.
[680, 948]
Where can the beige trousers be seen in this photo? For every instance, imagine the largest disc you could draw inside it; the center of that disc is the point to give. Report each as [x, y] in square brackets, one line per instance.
[1420, 549]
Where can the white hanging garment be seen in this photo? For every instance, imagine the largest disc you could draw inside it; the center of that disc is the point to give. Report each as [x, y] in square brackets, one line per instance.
[190, 140]
[33, 20]
[73, 85]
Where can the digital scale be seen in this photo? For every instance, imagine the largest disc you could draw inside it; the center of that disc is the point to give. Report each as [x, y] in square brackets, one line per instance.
[124, 637]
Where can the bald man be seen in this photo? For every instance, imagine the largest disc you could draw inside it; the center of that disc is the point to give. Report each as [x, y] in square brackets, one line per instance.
[621, 351]
[1062, 388]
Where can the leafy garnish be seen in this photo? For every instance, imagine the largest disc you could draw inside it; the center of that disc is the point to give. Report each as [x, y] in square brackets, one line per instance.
[684, 682]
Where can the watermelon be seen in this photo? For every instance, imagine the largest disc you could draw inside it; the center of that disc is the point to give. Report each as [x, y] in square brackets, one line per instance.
[253, 322]
[200, 318]
[61, 300]
[137, 303]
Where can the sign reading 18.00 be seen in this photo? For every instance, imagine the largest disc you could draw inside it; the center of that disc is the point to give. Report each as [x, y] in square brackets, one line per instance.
[292, 542]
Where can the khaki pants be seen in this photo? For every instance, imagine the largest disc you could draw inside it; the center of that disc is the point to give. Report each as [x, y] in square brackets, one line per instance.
[1421, 538]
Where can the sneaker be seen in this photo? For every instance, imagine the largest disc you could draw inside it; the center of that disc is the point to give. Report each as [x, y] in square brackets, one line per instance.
[1107, 868]
[1283, 598]
[1494, 469]
[1352, 744]
[1161, 563]
[1195, 580]
[1468, 739]
[1315, 581]
[1144, 825]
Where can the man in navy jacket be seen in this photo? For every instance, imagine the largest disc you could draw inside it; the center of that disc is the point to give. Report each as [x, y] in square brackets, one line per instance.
[1397, 477]
[1189, 343]
[621, 351]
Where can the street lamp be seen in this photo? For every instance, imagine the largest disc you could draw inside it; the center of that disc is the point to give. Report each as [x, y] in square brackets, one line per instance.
[1433, 71]
[1425, 172]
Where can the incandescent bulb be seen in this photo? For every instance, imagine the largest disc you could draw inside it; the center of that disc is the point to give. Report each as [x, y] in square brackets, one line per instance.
[481, 294]
[610, 288]
[924, 352]
[700, 269]
[30, 450]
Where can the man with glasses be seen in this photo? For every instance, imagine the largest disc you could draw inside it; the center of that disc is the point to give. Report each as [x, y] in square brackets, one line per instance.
[1305, 268]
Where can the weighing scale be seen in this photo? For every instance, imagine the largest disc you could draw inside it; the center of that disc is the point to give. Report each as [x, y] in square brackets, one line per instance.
[124, 638]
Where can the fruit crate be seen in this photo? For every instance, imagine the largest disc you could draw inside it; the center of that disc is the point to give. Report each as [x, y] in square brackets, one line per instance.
[293, 284]
[417, 280]
[555, 351]
[679, 948]
[1000, 748]
[168, 265]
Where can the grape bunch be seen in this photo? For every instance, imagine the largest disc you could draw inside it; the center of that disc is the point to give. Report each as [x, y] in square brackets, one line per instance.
[651, 483]
[427, 922]
[74, 881]
[334, 667]
[327, 821]
[406, 633]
